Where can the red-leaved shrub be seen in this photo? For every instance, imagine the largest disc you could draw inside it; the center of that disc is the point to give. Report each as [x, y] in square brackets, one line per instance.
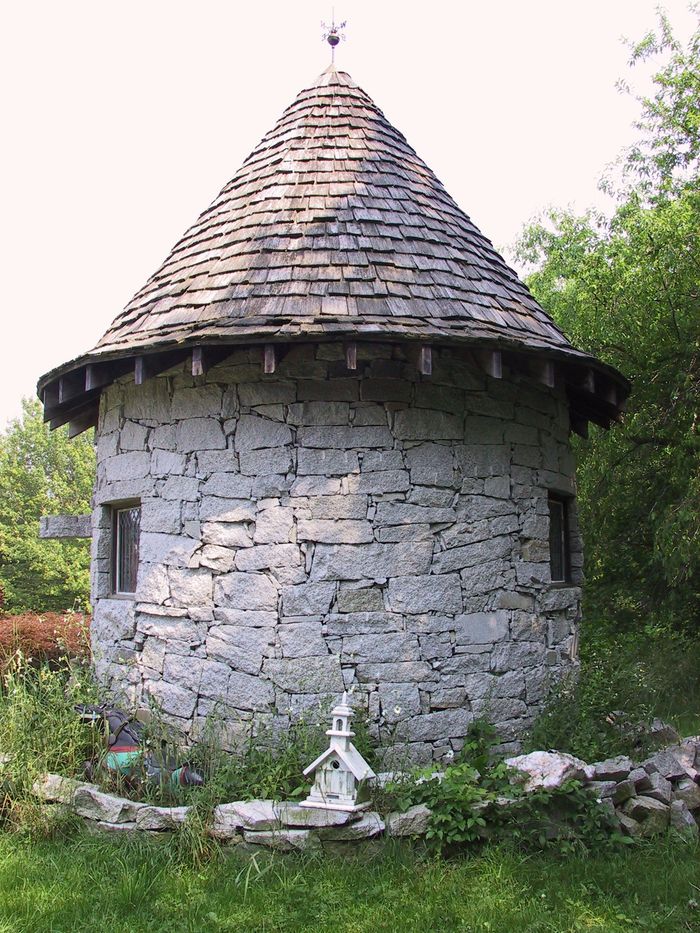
[49, 636]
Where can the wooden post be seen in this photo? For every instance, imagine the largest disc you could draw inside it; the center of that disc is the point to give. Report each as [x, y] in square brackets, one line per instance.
[140, 370]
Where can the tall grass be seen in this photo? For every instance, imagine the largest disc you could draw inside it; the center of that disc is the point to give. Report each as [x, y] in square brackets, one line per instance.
[40, 732]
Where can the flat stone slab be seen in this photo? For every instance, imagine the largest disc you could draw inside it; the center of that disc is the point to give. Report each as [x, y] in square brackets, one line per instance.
[660, 788]
[640, 779]
[54, 788]
[369, 825]
[623, 791]
[231, 818]
[629, 826]
[666, 762]
[102, 826]
[413, 822]
[602, 789]
[96, 805]
[292, 815]
[283, 840]
[161, 818]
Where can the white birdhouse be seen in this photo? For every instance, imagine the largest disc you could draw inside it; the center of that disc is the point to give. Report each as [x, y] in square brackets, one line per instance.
[341, 770]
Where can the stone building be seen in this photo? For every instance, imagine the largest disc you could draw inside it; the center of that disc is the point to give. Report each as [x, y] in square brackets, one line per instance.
[333, 452]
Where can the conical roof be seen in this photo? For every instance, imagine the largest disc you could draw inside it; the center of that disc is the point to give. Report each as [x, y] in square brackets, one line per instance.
[333, 228]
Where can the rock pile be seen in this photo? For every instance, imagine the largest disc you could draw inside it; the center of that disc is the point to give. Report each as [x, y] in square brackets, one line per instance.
[644, 798]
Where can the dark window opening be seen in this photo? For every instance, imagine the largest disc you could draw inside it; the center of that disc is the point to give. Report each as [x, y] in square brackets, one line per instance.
[559, 555]
[127, 520]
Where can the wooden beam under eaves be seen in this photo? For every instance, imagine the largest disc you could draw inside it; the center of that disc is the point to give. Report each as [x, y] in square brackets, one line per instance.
[88, 419]
[50, 397]
[425, 361]
[269, 358]
[204, 358]
[545, 372]
[351, 356]
[583, 378]
[65, 413]
[491, 362]
[579, 426]
[146, 367]
[98, 375]
[70, 386]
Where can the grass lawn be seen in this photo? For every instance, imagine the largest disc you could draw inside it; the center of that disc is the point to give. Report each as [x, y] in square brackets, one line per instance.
[87, 883]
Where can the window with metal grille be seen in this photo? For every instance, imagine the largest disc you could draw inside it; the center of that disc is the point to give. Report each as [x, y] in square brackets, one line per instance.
[559, 557]
[127, 520]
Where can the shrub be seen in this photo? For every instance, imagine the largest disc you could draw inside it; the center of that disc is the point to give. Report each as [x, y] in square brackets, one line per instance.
[48, 637]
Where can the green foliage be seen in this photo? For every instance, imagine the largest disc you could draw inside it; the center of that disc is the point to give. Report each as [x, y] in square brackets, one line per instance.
[42, 473]
[469, 806]
[656, 673]
[480, 738]
[626, 289]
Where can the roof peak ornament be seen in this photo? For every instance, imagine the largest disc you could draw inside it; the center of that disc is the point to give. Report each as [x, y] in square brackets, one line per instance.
[333, 34]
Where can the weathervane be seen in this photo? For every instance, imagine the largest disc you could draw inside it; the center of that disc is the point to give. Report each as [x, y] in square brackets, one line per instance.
[333, 34]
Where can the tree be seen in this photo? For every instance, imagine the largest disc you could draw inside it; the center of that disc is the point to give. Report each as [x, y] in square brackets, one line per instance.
[42, 473]
[627, 288]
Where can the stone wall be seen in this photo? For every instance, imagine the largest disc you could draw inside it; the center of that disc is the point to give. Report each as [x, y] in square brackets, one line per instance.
[317, 529]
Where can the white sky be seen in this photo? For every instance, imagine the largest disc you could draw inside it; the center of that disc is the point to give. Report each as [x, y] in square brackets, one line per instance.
[121, 122]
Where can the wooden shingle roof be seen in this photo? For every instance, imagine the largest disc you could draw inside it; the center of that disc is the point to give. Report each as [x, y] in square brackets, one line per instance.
[332, 228]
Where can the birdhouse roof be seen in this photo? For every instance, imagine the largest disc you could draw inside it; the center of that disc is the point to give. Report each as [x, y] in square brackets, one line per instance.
[333, 228]
[350, 757]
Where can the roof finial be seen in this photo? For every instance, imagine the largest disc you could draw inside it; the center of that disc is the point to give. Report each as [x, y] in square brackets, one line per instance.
[333, 34]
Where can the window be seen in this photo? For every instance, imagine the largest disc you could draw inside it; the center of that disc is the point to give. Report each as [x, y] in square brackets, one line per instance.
[125, 536]
[559, 557]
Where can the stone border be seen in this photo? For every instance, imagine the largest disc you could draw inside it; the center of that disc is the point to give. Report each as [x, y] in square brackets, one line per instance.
[282, 826]
[644, 799]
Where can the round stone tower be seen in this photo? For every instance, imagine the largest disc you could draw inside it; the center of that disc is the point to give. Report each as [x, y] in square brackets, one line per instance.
[333, 453]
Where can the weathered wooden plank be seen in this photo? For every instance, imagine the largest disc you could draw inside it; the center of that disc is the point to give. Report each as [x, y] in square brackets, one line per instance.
[65, 526]
[50, 395]
[98, 375]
